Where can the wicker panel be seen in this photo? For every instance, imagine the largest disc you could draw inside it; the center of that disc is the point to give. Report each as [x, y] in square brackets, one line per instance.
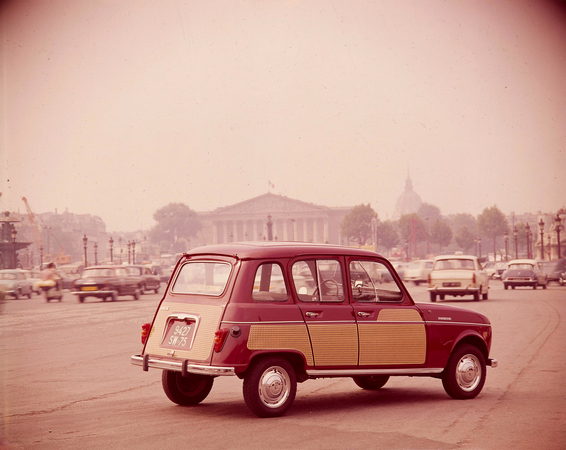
[399, 315]
[334, 344]
[204, 334]
[384, 344]
[281, 337]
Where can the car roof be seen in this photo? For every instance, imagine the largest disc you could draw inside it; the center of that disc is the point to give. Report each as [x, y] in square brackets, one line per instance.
[455, 257]
[523, 261]
[277, 249]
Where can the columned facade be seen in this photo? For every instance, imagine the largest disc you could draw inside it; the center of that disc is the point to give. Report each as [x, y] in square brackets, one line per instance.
[292, 220]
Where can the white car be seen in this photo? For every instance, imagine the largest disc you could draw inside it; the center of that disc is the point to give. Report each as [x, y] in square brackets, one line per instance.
[15, 283]
[458, 275]
[417, 271]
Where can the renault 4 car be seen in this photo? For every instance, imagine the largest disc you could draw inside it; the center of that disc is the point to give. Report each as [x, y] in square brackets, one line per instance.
[275, 314]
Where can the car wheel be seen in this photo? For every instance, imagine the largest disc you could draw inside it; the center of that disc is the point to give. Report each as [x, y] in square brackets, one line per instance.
[535, 286]
[137, 294]
[464, 375]
[270, 385]
[476, 296]
[29, 294]
[432, 297]
[512, 287]
[505, 286]
[17, 294]
[544, 285]
[157, 289]
[142, 289]
[82, 298]
[371, 383]
[441, 296]
[485, 294]
[114, 296]
[185, 391]
[417, 282]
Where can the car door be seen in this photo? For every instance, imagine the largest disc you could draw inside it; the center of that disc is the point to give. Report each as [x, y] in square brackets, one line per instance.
[323, 301]
[391, 329]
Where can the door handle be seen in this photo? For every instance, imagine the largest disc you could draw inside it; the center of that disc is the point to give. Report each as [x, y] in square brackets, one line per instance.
[311, 314]
[363, 314]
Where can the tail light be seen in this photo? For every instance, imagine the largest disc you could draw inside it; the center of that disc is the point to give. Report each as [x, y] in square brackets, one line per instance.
[220, 338]
[474, 278]
[146, 329]
[429, 279]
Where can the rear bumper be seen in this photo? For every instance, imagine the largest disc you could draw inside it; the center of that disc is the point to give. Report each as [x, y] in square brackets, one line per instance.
[179, 365]
[454, 290]
[98, 293]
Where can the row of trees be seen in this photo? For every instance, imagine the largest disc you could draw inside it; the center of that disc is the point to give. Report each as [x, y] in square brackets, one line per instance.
[428, 226]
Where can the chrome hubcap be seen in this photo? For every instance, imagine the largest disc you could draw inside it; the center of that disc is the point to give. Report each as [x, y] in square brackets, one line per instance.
[468, 372]
[274, 387]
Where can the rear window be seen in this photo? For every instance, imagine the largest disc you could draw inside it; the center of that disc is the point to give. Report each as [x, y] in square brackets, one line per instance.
[454, 264]
[205, 278]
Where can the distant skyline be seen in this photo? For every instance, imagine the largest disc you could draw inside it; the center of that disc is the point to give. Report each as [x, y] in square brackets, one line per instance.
[117, 109]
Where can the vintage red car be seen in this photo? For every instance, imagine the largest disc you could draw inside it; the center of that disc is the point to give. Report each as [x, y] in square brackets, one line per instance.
[276, 314]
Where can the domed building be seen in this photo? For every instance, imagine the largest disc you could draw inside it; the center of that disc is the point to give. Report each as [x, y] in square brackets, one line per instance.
[408, 202]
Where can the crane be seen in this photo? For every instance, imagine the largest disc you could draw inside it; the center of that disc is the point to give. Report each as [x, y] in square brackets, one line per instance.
[34, 225]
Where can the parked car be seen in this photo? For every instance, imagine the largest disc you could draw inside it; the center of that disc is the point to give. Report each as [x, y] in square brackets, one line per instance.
[107, 282]
[15, 283]
[275, 314]
[458, 275]
[489, 267]
[553, 269]
[500, 267]
[417, 271]
[34, 277]
[524, 272]
[150, 282]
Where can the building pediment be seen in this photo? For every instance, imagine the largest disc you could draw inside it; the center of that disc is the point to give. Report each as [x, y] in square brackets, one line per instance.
[268, 204]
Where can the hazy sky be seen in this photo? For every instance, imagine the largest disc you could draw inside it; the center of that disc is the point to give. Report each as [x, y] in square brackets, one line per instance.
[117, 108]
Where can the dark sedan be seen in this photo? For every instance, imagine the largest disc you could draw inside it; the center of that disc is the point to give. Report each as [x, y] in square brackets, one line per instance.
[524, 272]
[151, 282]
[107, 282]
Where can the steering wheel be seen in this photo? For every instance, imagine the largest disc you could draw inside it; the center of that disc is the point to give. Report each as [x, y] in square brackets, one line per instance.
[329, 282]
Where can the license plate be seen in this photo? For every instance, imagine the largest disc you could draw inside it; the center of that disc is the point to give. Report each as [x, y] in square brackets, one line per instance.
[89, 288]
[453, 284]
[179, 334]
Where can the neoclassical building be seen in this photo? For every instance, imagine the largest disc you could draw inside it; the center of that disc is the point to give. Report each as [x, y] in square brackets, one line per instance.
[289, 219]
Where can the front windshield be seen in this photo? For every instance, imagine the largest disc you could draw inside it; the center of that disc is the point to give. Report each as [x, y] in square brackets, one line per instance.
[454, 264]
[205, 278]
[134, 271]
[7, 276]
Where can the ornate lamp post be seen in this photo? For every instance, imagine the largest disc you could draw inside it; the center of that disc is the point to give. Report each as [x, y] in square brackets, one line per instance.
[516, 236]
[121, 249]
[528, 230]
[111, 244]
[407, 250]
[14, 236]
[541, 227]
[133, 251]
[40, 255]
[506, 238]
[85, 241]
[374, 231]
[95, 254]
[558, 228]
[129, 250]
[479, 247]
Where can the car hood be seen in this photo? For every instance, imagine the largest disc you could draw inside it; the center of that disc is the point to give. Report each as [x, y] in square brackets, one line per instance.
[447, 313]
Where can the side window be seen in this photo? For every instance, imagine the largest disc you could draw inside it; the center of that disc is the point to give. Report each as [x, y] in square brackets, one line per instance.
[269, 284]
[371, 281]
[318, 280]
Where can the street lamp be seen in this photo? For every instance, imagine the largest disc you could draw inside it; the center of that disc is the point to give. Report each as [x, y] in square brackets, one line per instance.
[40, 255]
[506, 238]
[516, 237]
[269, 228]
[129, 250]
[133, 251]
[559, 228]
[479, 247]
[111, 243]
[528, 230]
[85, 240]
[14, 236]
[95, 254]
[541, 226]
[374, 230]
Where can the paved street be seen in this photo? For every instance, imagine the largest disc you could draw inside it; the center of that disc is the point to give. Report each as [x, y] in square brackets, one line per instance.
[67, 382]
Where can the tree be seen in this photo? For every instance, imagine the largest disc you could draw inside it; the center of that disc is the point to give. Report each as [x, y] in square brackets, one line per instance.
[357, 223]
[492, 223]
[459, 221]
[412, 229]
[440, 233]
[176, 224]
[430, 212]
[465, 239]
[388, 237]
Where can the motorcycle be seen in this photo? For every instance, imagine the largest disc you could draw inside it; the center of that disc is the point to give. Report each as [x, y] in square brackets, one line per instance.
[51, 289]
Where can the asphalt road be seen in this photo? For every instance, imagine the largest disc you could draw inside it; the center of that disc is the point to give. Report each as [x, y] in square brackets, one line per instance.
[66, 382]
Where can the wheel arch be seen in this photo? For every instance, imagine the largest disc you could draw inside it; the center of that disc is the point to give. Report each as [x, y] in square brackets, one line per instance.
[475, 340]
[296, 359]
